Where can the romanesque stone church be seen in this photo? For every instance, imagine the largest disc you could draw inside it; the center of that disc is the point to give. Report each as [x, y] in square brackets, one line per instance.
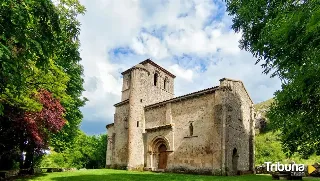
[210, 131]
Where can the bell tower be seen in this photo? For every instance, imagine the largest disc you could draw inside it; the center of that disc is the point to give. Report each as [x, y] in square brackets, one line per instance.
[144, 84]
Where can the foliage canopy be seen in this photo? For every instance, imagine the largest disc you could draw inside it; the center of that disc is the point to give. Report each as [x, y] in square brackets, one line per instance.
[284, 36]
[40, 74]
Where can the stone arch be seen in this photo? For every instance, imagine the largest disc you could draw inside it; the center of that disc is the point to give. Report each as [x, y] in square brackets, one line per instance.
[157, 141]
[159, 148]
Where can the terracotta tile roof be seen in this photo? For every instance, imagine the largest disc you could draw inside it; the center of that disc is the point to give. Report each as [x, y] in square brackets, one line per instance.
[152, 63]
[186, 96]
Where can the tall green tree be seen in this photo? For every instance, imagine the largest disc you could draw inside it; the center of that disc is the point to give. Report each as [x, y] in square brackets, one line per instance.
[39, 50]
[284, 36]
[68, 57]
[28, 31]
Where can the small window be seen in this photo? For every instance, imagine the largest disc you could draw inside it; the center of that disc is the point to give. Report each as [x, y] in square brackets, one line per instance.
[140, 100]
[190, 129]
[126, 124]
[137, 123]
[155, 79]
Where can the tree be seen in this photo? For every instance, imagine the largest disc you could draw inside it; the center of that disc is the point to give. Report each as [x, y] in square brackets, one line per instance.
[28, 31]
[284, 36]
[68, 57]
[39, 38]
[29, 131]
[39, 50]
[86, 152]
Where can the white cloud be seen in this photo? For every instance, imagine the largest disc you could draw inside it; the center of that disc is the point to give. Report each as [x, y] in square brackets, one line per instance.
[181, 73]
[163, 30]
[147, 44]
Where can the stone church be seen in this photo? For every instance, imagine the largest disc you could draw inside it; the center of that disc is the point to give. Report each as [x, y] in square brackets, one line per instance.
[210, 131]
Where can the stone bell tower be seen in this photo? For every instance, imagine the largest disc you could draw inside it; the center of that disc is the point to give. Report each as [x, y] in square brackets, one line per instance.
[143, 84]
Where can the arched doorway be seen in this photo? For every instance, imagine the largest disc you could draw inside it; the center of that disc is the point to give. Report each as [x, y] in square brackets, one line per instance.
[159, 153]
[162, 164]
[235, 157]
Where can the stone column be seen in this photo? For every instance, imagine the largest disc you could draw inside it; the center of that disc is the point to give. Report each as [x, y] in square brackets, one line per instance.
[151, 160]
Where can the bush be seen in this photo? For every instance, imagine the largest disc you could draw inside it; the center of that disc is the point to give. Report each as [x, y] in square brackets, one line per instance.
[87, 152]
[269, 149]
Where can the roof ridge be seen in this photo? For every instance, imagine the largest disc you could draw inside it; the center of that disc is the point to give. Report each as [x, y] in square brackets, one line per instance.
[189, 94]
[234, 80]
[152, 63]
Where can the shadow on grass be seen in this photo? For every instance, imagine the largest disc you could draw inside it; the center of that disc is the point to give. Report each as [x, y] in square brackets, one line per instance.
[158, 177]
[149, 176]
[27, 177]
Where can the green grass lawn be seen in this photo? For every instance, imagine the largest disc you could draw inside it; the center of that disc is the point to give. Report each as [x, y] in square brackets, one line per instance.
[108, 174]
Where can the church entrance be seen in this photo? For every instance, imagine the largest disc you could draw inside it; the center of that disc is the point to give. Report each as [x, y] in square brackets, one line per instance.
[235, 157]
[162, 164]
[159, 154]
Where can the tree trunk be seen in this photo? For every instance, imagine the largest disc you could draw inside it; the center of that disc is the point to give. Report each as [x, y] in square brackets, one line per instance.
[28, 164]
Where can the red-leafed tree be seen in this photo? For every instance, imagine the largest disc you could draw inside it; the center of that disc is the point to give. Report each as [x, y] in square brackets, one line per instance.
[31, 130]
[48, 120]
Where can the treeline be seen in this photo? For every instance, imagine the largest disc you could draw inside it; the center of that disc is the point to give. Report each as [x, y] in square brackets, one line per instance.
[268, 145]
[40, 79]
[269, 148]
[86, 152]
[284, 38]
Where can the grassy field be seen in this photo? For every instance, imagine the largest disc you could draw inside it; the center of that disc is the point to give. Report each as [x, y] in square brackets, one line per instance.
[119, 175]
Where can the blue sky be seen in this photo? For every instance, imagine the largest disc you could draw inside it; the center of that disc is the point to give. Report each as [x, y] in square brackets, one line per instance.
[190, 38]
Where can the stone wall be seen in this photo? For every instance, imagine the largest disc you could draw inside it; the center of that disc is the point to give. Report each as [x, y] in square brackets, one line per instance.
[120, 137]
[143, 92]
[126, 86]
[156, 117]
[110, 146]
[238, 127]
[162, 76]
[201, 131]
[196, 153]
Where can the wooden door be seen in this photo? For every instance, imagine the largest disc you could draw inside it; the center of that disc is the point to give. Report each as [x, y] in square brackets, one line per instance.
[162, 157]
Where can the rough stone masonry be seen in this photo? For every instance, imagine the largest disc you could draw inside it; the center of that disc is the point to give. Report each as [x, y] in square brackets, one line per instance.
[210, 131]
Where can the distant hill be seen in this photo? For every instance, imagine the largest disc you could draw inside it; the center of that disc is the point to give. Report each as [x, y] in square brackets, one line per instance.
[263, 106]
[268, 146]
[260, 115]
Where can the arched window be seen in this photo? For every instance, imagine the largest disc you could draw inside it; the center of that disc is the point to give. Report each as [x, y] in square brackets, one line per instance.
[165, 83]
[155, 79]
